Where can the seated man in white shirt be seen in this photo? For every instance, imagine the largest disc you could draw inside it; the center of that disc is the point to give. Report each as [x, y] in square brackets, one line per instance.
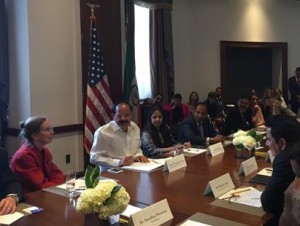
[118, 142]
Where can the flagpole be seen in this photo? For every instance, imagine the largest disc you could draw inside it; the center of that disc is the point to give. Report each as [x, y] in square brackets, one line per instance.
[92, 17]
[98, 99]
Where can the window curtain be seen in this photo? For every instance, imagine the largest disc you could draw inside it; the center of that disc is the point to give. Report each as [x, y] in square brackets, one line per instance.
[161, 46]
[161, 43]
[161, 52]
[4, 89]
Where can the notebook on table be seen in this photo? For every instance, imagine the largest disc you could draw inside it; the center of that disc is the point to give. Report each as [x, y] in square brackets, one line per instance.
[262, 177]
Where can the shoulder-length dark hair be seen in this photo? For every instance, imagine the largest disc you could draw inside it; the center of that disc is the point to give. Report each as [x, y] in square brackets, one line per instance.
[163, 129]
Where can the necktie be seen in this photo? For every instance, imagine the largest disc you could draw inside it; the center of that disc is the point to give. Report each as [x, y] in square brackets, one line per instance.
[200, 129]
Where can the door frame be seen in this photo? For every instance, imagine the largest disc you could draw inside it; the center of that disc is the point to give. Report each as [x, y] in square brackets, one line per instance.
[282, 46]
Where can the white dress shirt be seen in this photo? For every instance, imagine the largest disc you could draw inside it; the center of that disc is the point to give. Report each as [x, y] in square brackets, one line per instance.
[111, 144]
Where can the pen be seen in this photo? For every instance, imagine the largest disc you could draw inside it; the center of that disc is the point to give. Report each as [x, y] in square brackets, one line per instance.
[79, 189]
[154, 161]
[240, 191]
[123, 221]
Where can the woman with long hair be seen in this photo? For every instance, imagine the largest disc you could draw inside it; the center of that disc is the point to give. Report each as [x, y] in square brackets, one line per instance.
[193, 100]
[257, 115]
[156, 137]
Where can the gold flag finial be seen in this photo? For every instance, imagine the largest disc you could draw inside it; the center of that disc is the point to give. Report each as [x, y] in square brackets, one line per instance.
[92, 7]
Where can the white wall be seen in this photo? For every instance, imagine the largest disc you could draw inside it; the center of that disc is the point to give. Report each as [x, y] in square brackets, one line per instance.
[45, 70]
[200, 25]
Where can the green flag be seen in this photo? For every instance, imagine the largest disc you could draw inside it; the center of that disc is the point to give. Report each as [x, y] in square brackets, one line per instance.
[131, 92]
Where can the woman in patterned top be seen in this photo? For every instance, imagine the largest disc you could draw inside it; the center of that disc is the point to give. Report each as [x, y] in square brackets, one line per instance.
[156, 138]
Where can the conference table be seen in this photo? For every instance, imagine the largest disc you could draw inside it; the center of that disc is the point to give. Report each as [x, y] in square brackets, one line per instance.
[182, 188]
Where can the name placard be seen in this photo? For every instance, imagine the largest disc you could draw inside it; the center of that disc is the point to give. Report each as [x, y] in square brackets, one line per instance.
[156, 214]
[220, 185]
[270, 157]
[175, 163]
[215, 149]
[249, 166]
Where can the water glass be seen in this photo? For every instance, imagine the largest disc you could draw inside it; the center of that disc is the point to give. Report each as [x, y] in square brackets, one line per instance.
[70, 182]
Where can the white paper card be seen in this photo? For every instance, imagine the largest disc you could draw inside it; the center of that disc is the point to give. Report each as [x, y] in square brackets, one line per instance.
[175, 163]
[194, 223]
[215, 149]
[220, 185]
[130, 210]
[270, 157]
[156, 214]
[249, 166]
[10, 218]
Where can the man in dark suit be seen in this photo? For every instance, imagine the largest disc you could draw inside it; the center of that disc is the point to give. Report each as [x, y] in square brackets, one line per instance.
[10, 189]
[198, 129]
[294, 87]
[282, 132]
[238, 118]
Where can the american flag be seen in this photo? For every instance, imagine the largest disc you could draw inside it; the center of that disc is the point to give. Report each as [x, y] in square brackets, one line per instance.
[98, 101]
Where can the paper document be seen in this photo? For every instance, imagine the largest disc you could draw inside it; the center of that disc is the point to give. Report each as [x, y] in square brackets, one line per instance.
[195, 151]
[160, 161]
[79, 185]
[247, 196]
[130, 210]
[193, 223]
[258, 148]
[10, 218]
[266, 172]
[147, 166]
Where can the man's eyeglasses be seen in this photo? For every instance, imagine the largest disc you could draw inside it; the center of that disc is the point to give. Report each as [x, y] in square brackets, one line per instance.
[50, 129]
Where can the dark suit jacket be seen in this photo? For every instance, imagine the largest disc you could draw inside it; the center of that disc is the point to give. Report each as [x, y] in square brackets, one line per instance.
[212, 109]
[188, 131]
[8, 181]
[272, 198]
[233, 122]
[294, 89]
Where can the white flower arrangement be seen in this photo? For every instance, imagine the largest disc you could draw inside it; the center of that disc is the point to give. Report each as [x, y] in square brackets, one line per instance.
[248, 140]
[104, 197]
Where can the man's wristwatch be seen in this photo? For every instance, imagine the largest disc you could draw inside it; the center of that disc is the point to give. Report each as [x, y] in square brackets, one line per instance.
[15, 197]
[211, 140]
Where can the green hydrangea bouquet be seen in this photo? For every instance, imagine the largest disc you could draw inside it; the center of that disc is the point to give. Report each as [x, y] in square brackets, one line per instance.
[104, 197]
[246, 139]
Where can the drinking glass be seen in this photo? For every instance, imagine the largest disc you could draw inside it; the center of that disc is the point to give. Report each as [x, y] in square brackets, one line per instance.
[70, 182]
